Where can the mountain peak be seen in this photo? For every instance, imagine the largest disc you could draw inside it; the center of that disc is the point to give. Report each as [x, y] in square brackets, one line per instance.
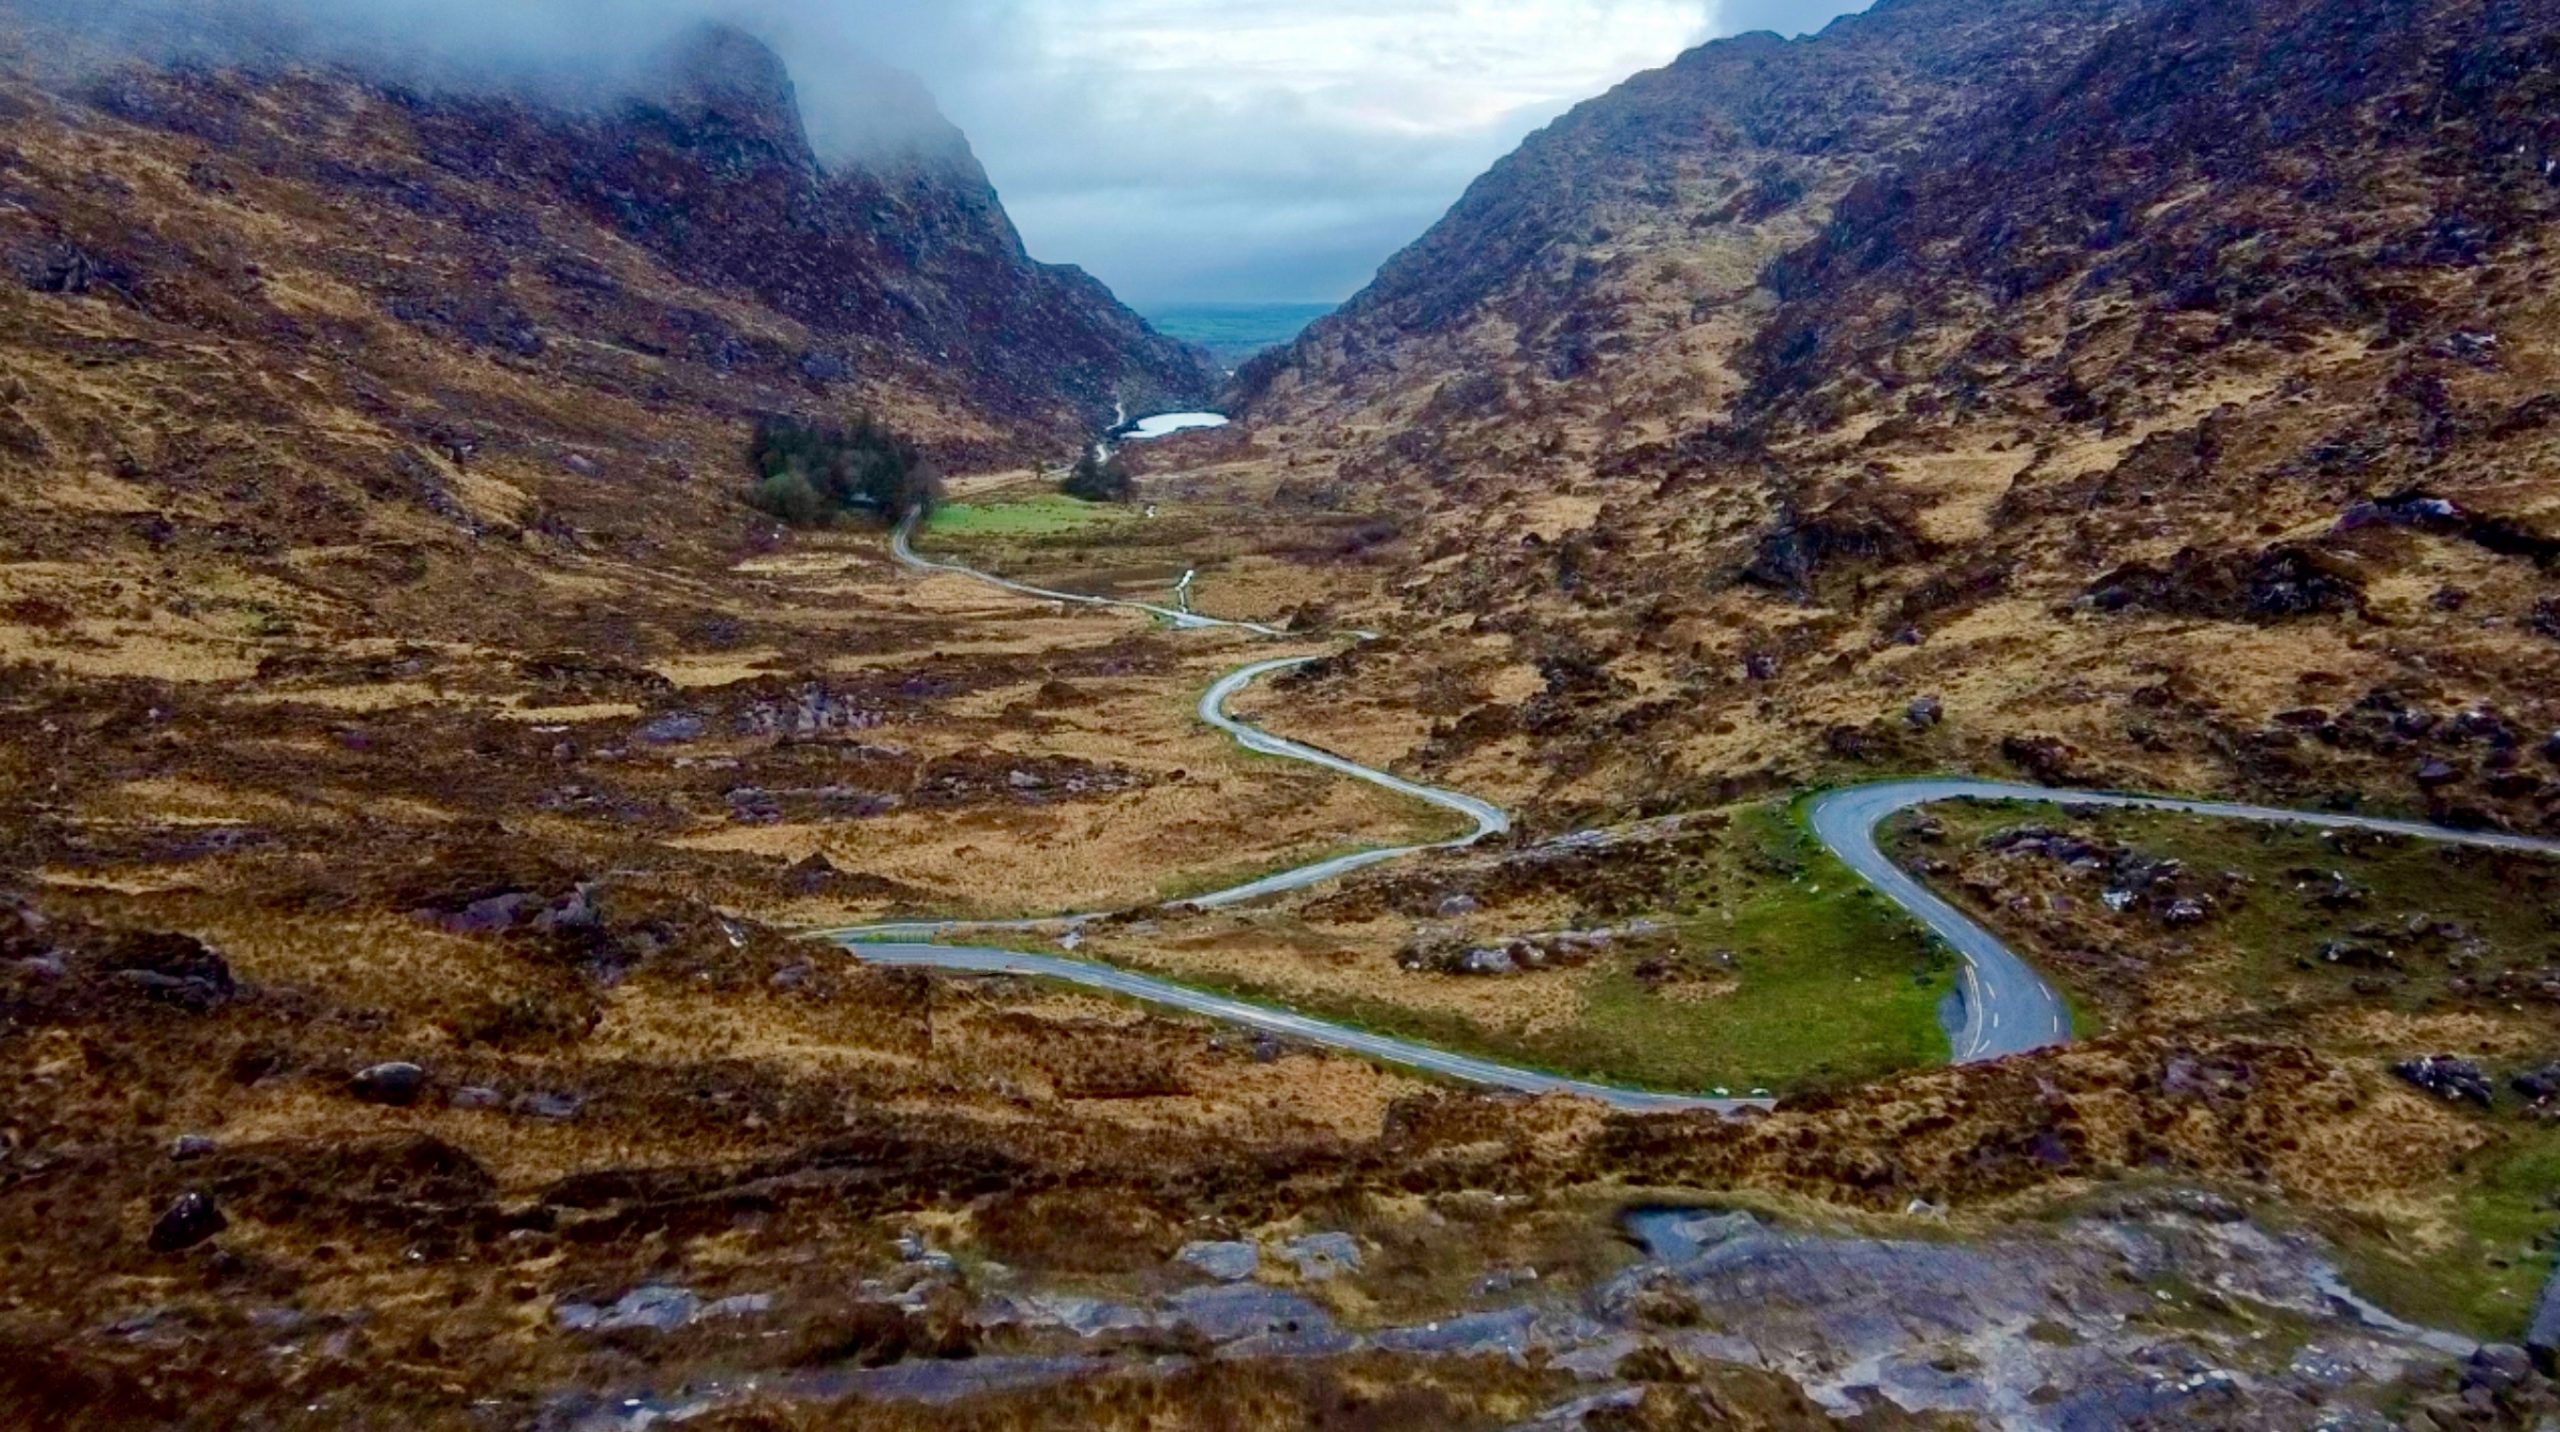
[718, 71]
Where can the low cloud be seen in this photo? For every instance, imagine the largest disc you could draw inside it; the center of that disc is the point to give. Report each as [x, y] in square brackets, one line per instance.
[1245, 150]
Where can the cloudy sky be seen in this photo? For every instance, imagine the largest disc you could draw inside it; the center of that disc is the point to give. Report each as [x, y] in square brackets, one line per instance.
[1268, 150]
[1183, 150]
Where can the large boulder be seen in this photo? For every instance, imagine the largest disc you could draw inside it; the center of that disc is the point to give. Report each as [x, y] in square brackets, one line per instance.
[191, 1220]
[2448, 1078]
[396, 1085]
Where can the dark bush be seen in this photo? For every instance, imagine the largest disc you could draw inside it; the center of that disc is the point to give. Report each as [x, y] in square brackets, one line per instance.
[811, 474]
[1100, 479]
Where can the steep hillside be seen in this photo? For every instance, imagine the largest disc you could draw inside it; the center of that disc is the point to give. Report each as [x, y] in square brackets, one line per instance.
[2178, 415]
[683, 238]
[1611, 265]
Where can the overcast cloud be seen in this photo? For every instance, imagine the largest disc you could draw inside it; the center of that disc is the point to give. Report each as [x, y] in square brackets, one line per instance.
[1183, 150]
[1271, 150]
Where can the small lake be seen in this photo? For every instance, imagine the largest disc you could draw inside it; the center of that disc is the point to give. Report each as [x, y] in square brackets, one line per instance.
[1165, 425]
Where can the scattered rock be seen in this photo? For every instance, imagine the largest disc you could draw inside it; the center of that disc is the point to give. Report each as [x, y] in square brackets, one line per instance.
[2499, 1367]
[1322, 1256]
[489, 915]
[172, 969]
[656, 1309]
[2346, 955]
[812, 875]
[189, 1221]
[2448, 1078]
[2542, 1336]
[1463, 904]
[1503, 1280]
[556, 1108]
[477, 1097]
[1226, 1262]
[918, 1254]
[752, 805]
[396, 1084]
[2435, 772]
[676, 729]
[2049, 759]
[191, 1147]
[1925, 713]
[2277, 584]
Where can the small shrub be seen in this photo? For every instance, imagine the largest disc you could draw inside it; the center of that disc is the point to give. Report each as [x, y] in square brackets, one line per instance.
[1100, 479]
[788, 498]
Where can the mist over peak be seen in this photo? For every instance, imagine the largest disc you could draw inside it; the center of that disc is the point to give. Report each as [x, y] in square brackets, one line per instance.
[560, 54]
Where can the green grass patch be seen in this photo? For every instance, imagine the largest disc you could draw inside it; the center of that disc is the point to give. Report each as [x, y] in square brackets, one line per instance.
[1833, 985]
[1046, 515]
[2484, 1282]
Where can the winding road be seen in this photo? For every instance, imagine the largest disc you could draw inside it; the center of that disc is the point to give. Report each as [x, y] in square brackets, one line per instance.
[2009, 1009]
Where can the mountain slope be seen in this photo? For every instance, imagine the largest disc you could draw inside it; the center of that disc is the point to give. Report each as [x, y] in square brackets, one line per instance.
[2176, 415]
[1611, 263]
[512, 228]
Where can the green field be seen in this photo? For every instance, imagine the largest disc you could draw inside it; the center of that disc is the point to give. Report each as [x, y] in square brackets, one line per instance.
[1836, 986]
[1047, 515]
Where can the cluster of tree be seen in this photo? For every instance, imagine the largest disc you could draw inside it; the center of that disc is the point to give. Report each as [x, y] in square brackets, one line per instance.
[1097, 478]
[814, 474]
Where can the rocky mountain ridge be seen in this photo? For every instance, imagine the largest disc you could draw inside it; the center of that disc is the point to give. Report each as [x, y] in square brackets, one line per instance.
[2191, 372]
[1630, 235]
[901, 278]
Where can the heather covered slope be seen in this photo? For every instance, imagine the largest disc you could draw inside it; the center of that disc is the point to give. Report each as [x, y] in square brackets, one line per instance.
[683, 241]
[2168, 417]
[1611, 263]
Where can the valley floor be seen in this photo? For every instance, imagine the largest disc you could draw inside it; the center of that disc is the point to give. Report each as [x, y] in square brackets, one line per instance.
[434, 1007]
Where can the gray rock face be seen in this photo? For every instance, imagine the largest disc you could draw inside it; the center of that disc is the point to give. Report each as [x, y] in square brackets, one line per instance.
[655, 1309]
[1320, 1256]
[396, 1085]
[676, 729]
[1226, 1262]
[1256, 1321]
[1956, 1337]
[2059, 1329]
[2542, 1336]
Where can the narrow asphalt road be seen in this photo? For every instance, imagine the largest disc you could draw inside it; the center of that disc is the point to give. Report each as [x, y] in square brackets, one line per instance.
[2009, 1009]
